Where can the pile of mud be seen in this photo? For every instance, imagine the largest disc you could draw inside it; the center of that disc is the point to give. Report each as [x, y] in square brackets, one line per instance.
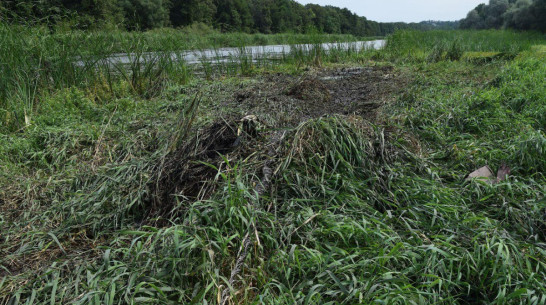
[280, 102]
[286, 100]
[187, 171]
[311, 89]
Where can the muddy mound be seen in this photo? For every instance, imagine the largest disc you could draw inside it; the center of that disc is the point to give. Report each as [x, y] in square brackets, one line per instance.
[186, 172]
[287, 100]
[362, 90]
[311, 89]
[189, 173]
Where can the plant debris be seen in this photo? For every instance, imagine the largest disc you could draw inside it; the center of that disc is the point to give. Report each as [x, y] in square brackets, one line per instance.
[288, 100]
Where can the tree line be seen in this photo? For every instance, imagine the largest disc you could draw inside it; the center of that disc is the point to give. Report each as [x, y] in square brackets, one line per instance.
[263, 16]
[513, 14]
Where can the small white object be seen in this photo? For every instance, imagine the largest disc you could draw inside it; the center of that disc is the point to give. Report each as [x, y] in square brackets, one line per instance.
[484, 173]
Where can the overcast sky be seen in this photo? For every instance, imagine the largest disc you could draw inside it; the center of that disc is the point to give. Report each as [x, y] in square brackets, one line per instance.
[405, 10]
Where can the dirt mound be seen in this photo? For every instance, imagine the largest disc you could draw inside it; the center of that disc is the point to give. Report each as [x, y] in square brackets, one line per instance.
[362, 91]
[287, 100]
[311, 89]
[187, 171]
[281, 101]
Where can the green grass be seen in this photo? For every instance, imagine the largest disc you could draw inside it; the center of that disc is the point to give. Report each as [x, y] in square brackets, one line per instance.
[450, 45]
[358, 211]
[35, 62]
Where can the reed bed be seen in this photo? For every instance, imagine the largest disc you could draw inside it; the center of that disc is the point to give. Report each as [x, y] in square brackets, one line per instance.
[451, 45]
[36, 62]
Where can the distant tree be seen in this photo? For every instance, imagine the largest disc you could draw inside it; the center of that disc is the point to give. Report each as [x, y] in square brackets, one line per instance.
[515, 14]
[265, 16]
[538, 11]
[93, 13]
[288, 16]
[519, 15]
[494, 13]
[473, 20]
[325, 18]
[435, 24]
[233, 15]
[145, 14]
[261, 14]
[187, 12]
[32, 11]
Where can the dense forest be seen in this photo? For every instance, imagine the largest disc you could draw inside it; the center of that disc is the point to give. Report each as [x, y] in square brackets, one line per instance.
[514, 14]
[251, 16]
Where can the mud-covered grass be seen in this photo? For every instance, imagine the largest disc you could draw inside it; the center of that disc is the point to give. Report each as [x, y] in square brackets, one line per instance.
[334, 181]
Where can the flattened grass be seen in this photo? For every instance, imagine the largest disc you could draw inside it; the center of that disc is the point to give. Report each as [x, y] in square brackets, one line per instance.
[358, 212]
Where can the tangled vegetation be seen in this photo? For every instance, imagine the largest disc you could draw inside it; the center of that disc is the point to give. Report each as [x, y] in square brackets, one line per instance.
[326, 178]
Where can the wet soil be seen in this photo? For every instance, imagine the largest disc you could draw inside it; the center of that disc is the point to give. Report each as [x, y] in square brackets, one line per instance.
[286, 100]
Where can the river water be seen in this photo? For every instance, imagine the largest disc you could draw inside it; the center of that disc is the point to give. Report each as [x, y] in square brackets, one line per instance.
[234, 54]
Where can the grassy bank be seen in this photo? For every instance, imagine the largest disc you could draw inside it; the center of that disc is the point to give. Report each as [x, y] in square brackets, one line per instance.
[347, 187]
[451, 45]
[35, 62]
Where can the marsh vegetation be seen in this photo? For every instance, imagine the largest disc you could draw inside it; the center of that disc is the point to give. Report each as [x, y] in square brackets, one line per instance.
[324, 177]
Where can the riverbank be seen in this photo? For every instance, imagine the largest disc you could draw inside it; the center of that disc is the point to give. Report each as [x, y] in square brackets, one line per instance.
[36, 63]
[326, 178]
